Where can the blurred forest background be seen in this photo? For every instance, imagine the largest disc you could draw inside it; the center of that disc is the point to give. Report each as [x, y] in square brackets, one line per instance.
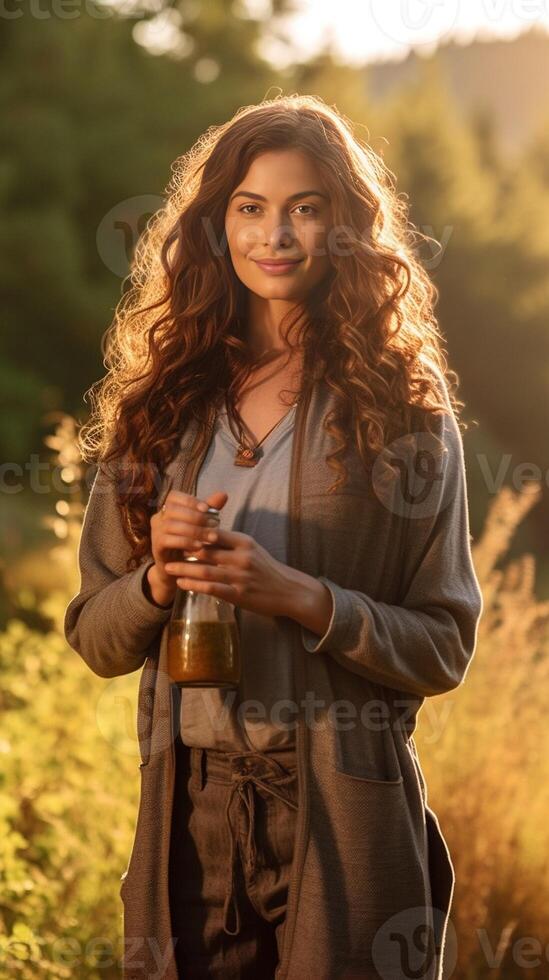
[92, 121]
[95, 108]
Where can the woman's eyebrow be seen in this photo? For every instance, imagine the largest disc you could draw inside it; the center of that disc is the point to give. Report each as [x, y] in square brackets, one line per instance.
[292, 197]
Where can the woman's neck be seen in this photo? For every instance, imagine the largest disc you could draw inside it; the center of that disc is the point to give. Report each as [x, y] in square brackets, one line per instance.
[262, 331]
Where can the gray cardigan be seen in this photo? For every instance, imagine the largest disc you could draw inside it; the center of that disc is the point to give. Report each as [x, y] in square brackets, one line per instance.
[371, 866]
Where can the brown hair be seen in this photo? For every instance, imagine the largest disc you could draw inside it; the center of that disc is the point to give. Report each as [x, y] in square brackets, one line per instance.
[177, 340]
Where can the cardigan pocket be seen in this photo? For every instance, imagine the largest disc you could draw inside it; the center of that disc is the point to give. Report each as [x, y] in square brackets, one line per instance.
[346, 764]
[367, 751]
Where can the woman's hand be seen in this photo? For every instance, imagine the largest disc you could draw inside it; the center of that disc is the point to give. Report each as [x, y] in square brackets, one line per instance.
[241, 571]
[182, 527]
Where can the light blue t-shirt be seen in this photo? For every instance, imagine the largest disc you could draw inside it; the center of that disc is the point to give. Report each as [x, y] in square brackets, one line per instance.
[256, 715]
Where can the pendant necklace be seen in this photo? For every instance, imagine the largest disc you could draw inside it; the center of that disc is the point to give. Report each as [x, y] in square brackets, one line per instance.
[247, 455]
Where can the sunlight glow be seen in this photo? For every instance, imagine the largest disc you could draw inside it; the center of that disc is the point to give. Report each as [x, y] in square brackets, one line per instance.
[357, 31]
[377, 30]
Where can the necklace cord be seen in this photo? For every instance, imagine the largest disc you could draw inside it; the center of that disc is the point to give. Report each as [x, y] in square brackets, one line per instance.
[239, 436]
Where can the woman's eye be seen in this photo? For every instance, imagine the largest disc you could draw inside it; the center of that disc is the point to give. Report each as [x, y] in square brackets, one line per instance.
[311, 210]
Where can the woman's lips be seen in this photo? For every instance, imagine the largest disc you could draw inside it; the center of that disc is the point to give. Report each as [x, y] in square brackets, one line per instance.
[278, 268]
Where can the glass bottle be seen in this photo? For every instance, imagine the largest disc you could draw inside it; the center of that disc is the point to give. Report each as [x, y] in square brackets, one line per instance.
[203, 638]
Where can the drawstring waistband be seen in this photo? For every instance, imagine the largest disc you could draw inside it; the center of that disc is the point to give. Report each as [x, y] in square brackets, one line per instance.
[243, 784]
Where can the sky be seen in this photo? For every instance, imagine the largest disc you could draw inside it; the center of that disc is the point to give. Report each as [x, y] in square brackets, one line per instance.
[375, 30]
[359, 30]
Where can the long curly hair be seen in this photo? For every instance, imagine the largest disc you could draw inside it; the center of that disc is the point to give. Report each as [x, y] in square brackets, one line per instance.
[178, 338]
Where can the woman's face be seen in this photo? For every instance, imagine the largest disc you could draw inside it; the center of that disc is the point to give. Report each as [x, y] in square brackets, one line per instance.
[280, 210]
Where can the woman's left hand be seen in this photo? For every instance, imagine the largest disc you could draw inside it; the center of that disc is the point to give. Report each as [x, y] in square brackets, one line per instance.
[242, 572]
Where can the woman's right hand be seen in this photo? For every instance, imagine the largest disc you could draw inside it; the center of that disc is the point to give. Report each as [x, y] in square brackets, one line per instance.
[182, 527]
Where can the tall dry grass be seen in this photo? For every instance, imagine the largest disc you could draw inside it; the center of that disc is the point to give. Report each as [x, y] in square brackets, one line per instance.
[484, 753]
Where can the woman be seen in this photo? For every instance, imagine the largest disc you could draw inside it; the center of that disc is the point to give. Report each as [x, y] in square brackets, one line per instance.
[285, 832]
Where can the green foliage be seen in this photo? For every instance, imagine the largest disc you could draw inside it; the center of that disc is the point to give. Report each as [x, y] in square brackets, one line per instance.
[92, 120]
[68, 798]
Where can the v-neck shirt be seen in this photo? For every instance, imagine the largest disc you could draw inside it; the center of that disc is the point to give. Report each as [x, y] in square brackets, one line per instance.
[256, 715]
[222, 425]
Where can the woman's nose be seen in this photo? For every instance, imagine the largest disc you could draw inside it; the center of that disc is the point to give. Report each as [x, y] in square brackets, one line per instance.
[280, 234]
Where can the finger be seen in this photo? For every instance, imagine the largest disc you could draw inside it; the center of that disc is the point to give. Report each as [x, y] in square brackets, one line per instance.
[176, 506]
[204, 571]
[197, 550]
[182, 567]
[217, 556]
[178, 498]
[228, 539]
[218, 498]
[185, 541]
[198, 528]
[217, 589]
